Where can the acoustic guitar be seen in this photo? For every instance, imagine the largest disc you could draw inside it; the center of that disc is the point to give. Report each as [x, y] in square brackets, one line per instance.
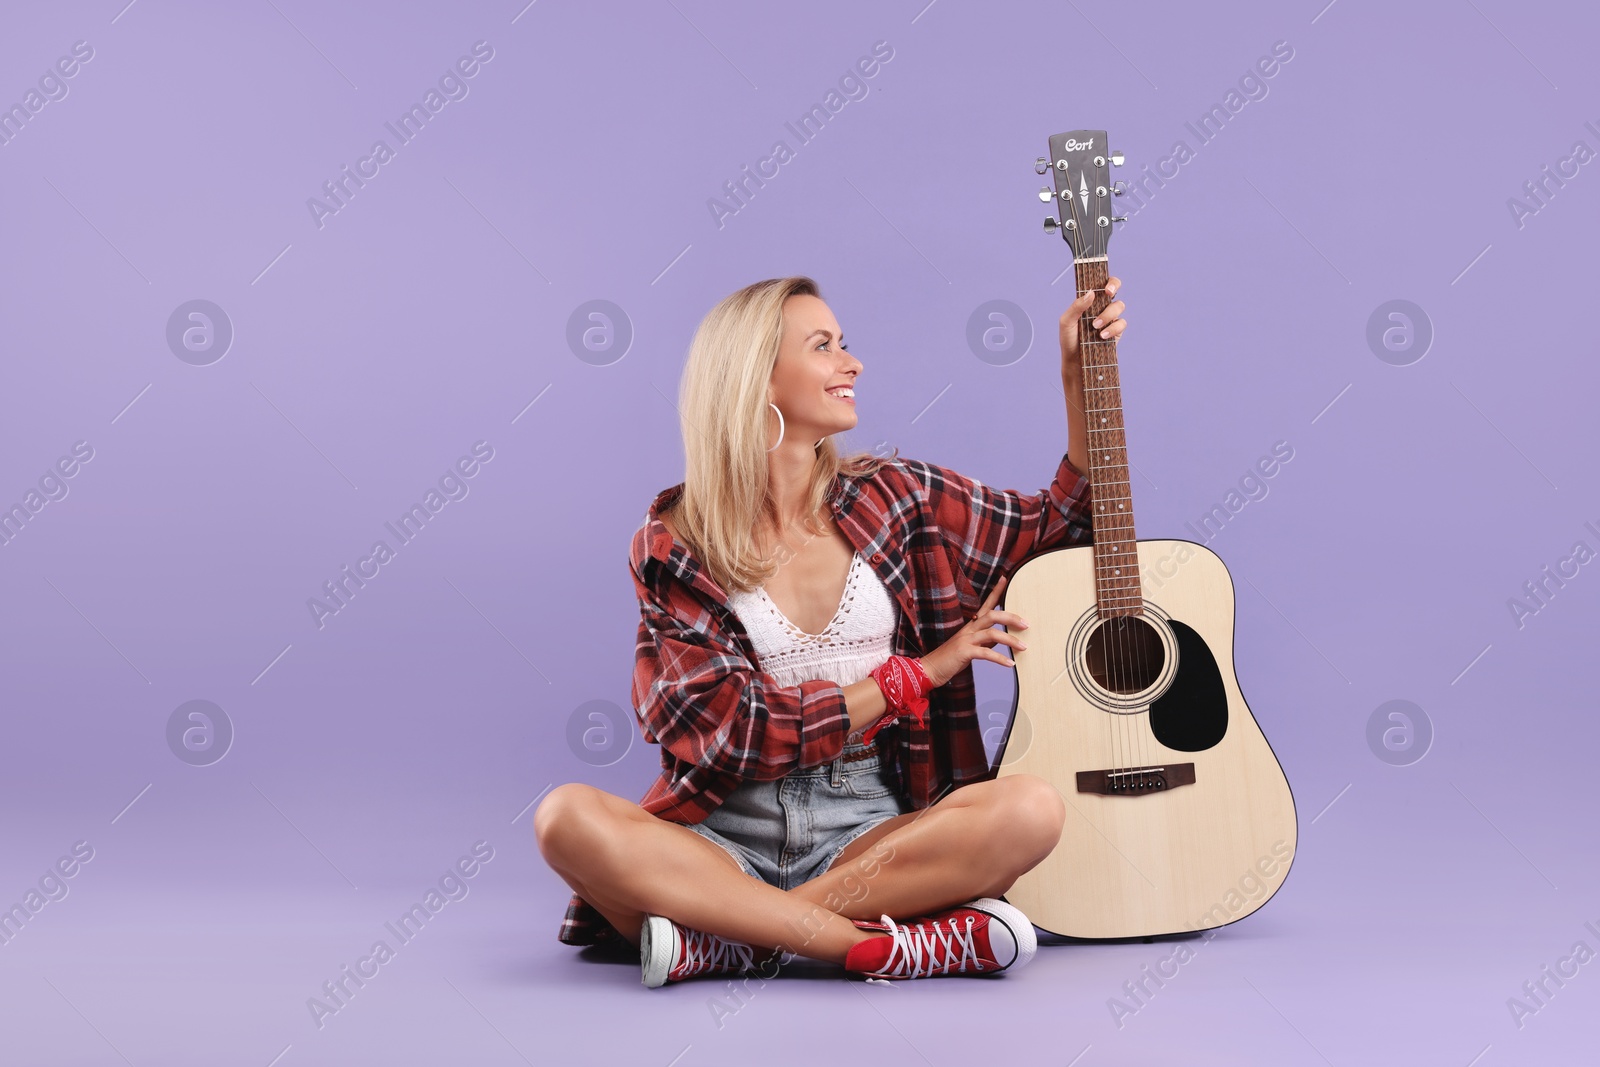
[1179, 816]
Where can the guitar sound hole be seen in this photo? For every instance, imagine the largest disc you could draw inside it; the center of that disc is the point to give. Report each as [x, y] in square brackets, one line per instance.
[1125, 654]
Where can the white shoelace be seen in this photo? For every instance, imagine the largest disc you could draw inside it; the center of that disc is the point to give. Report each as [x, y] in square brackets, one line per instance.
[918, 947]
[702, 950]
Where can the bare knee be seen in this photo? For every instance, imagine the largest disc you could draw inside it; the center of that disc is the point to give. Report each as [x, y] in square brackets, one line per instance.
[566, 819]
[1032, 813]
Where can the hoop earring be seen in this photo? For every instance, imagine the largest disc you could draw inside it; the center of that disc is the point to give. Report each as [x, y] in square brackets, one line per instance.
[774, 407]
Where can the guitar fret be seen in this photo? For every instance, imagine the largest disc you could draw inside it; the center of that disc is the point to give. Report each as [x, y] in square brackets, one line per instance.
[1116, 559]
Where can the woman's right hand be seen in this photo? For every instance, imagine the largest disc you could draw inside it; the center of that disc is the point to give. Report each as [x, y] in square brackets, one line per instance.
[975, 640]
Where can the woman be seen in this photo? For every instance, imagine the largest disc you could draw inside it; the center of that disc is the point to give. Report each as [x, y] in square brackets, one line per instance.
[824, 788]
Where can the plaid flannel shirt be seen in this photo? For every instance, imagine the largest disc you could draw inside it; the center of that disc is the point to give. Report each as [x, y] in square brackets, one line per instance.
[939, 541]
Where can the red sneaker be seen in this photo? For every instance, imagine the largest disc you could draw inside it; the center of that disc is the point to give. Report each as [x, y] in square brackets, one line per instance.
[982, 937]
[670, 952]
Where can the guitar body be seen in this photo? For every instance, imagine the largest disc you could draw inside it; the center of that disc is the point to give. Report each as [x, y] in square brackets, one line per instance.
[1179, 817]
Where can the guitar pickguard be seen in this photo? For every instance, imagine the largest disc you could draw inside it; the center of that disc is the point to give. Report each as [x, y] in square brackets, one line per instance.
[1192, 715]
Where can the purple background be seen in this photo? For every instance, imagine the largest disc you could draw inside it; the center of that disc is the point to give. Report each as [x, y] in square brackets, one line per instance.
[432, 312]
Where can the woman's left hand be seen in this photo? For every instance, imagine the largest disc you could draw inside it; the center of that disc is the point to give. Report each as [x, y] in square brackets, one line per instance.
[1107, 326]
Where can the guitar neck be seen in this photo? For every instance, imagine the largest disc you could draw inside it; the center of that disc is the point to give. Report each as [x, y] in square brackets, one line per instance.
[1116, 554]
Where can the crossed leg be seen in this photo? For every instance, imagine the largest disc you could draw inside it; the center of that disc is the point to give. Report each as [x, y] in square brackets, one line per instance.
[975, 841]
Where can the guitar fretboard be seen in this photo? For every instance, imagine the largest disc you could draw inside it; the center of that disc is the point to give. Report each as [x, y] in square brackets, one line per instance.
[1116, 555]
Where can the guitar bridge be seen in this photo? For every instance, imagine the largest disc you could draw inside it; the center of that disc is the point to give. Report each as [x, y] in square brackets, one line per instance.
[1135, 781]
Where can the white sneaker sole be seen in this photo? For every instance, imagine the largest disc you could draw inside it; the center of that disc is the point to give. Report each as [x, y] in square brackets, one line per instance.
[1021, 929]
[658, 947]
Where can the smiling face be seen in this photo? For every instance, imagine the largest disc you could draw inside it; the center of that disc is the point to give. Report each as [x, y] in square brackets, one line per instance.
[812, 360]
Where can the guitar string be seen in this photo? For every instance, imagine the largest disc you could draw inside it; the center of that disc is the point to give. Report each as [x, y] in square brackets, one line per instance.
[1134, 624]
[1064, 195]
[1129, 646]
[1125, 640]
[1123, 646]
[1111, 643]
[1129, 627]
[1081, 280]
[1123, 627]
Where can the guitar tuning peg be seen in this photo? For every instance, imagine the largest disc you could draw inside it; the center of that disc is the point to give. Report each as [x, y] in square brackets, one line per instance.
[1119, 218]
[1116, 159]
[1050, 224]
[1117, 189]
[1041, 165]
[1045, 194]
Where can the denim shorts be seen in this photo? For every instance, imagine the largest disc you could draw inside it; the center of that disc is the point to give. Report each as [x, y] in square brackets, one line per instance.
[788, 830]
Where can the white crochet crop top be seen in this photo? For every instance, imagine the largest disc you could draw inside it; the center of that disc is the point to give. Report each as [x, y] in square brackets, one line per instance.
[858, 638]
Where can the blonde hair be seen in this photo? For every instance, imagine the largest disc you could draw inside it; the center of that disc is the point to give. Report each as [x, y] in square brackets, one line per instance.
[722, 401]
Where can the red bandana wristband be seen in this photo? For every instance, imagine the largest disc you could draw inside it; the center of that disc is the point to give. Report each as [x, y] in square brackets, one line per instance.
[904, 684]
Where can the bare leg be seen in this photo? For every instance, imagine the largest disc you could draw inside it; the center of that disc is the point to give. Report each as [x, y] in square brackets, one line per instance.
[629, 863]
[975, 842]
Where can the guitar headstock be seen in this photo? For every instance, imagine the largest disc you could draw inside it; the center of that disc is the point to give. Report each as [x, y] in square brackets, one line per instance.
[1083, 190]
